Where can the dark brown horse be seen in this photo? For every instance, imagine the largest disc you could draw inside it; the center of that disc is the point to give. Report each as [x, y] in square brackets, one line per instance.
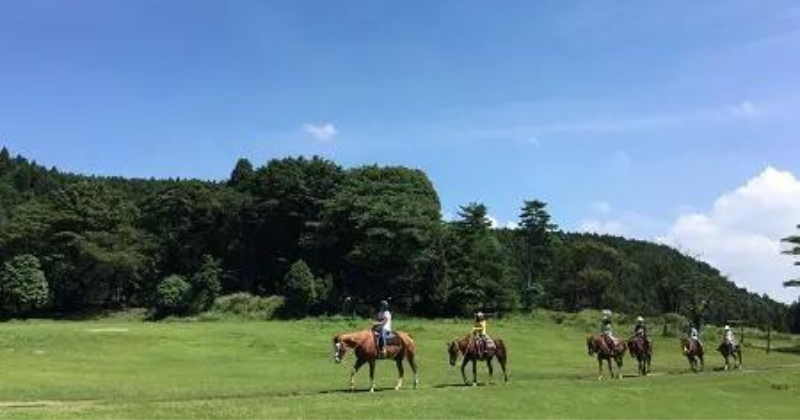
[596, 344]
[468, 347]
[642, 349]
[731, 351]
[364, 345]
[693, 352]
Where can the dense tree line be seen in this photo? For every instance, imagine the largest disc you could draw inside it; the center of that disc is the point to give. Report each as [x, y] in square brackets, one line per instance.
[328, 239]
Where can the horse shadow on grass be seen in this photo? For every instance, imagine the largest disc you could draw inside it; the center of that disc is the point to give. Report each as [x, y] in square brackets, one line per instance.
[355, 391]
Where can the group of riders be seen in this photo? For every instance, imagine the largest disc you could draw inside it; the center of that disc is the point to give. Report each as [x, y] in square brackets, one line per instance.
[382, 326]
[640, 330]
[383, 330]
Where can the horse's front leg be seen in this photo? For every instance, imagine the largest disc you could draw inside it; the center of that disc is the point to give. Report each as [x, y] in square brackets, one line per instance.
[400, 372]
[600, 368]
[372, 376]
[491, 369]
[474, 372]
[356, 367]
[463, 373]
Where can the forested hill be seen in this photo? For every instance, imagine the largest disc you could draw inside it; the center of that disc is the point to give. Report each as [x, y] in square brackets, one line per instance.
[325, 237]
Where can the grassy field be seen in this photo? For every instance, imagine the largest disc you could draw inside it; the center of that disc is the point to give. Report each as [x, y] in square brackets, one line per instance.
[129, 369]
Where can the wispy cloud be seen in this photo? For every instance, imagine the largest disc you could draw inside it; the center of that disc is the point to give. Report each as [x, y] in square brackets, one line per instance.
[535, 133]
[321, 132]
[744, 109]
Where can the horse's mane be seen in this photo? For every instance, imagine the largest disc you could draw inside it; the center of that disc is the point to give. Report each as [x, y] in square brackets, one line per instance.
[360, 338]
[353, 339]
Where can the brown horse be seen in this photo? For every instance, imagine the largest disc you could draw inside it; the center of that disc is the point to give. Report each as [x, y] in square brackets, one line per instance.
[731, 351]
[693, 352]
[468, 347]
[642, 349]
[398, 348]
[596, 344]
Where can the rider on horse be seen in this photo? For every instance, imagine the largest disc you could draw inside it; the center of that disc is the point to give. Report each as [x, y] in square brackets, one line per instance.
[640, 330]
[730, 339]
[482, 339]
[383, 326]
[605, 329]
[694, 334]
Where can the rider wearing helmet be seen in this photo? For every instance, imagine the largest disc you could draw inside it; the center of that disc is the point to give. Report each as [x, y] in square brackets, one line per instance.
[640, 330]
[605, 329]
[730, 339]
[694, 334]
[482, 339]
[383, 326]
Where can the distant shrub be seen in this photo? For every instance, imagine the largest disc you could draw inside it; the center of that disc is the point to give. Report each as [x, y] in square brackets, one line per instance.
[172, 296]
[244, 306]
[205, 285]
[23, 286]
[300, 289]
[673, 325]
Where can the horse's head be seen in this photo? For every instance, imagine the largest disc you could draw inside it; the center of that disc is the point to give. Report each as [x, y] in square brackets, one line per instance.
[686, 344]
[339, 349]
[590, 346]
[453, 350]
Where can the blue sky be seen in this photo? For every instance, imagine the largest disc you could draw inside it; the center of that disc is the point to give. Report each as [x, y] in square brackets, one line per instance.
[625, 116]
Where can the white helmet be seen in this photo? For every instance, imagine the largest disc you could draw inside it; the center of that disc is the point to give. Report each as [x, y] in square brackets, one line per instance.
[639, 319]
[727, 328]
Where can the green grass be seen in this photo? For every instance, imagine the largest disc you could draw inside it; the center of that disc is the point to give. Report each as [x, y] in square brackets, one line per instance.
[128, 369]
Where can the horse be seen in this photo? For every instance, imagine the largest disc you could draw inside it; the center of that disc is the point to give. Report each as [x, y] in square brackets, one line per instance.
[693, 352]
[641, 348]
[468, 347]
[596, 345]
[364, 345]
[731, 351]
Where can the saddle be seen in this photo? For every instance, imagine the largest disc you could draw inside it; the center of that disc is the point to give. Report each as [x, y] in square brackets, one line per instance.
[484, 345]
[391, 339]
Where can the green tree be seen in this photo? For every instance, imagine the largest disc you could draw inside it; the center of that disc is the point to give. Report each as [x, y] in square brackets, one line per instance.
[535, 239]
[281, 219]
[300, 289]
[242, 174]
[23, 286]
[476, 266]
[379, 228]
[173, 296]
[205, 284]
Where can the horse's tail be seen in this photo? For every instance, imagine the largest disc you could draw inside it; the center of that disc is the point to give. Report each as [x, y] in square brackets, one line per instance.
[502, 351]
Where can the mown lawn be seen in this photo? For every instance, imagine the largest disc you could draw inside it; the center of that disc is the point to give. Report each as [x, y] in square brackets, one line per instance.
[129, 369]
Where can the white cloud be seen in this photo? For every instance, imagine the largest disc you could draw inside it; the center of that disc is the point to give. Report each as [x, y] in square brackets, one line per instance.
[322, 132]
[493, 222]
[512, 225]
[741, 234]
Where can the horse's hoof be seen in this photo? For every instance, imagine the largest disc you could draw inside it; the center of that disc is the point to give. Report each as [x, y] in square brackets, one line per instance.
[474, 384]
[372, 390]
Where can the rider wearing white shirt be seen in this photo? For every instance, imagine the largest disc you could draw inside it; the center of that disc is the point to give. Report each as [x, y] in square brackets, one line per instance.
[383, 325]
